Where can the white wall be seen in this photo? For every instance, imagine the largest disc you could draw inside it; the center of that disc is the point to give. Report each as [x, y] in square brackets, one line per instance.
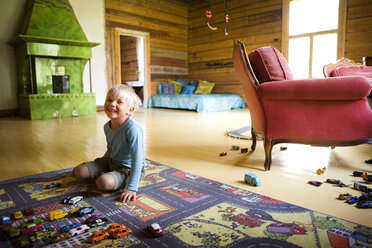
[91, 16]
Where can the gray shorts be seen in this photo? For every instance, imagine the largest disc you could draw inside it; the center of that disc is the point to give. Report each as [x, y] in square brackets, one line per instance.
[120, 173]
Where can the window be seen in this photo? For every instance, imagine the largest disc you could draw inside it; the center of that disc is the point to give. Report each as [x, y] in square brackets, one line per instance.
[313, 34]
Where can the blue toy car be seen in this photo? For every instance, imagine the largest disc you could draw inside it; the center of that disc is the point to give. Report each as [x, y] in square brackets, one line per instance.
[85, 210]
[353, 200]
[252, 179]
[5, 218]
[69, 227]
[52, 185]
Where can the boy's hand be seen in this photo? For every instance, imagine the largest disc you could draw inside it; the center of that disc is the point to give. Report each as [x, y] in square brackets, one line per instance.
[128, 195]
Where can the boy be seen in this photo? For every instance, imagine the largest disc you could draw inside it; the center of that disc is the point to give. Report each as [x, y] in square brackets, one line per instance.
[123, 164]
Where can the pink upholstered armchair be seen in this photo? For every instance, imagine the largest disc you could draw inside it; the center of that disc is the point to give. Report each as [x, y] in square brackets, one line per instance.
[326, 112]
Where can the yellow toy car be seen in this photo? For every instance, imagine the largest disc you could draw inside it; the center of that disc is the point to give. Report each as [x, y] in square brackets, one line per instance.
[17, 215]
[57, 214]
[74, 210]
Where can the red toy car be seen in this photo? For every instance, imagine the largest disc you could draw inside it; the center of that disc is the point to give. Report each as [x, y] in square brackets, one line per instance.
[155, 229]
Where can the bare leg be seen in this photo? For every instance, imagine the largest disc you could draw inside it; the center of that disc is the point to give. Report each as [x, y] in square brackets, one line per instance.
[105, 182]
[81, 171]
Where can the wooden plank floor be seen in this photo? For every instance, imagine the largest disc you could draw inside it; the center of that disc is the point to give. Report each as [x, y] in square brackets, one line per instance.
[192, 142]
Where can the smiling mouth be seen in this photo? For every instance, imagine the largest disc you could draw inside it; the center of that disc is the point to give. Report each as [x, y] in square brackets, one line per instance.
[111, 110]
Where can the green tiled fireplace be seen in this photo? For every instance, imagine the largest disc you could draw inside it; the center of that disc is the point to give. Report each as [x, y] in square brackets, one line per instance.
[52, 52]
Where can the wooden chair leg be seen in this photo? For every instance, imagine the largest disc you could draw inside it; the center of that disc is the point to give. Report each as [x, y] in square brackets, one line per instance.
[268, 146]
[254, 140]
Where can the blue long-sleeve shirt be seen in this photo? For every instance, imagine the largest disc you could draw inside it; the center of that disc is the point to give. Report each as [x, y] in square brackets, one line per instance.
[126, 146]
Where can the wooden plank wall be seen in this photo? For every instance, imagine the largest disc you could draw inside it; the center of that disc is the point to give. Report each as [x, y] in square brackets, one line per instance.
[129, 62]
[183, 47]
[167, 23]
[256, 22]
[358, 41]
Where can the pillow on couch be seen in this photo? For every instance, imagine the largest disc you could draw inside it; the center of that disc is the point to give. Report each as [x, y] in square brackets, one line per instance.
[188, 89]
[204, 87]
[168, 88]
[176, 85]
[160, 88]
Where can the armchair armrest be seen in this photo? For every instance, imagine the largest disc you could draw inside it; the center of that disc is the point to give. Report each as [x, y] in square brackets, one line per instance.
[338, 88]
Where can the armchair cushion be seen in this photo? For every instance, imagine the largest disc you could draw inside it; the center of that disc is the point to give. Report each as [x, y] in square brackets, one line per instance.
[365, 71]
[269, 65]
[338, 88]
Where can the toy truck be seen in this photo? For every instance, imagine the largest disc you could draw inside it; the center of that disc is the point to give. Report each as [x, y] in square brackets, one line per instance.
[252, 179]
[57, 214]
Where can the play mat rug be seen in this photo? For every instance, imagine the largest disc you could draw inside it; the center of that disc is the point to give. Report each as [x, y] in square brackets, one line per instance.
[193, 211]
[243, 133]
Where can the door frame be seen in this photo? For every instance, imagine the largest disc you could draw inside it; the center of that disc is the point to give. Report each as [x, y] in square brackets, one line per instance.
[117, 68]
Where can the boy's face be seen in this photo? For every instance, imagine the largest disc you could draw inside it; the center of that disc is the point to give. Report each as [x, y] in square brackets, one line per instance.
[117, 108]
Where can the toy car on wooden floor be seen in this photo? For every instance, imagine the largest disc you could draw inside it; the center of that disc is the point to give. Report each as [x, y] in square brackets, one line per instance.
[252, 179]
[345, 196]
[364, 204]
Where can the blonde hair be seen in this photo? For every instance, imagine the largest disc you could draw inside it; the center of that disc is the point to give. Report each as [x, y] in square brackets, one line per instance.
[124, 92]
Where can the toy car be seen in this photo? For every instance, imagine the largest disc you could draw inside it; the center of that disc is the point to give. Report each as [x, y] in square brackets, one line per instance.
[85, 210]
[98, 236]
[345, 196]
[44, 235]
[17, 215]
[364, 204]
[67, 199]
[12, 232]
[29, 223]
[69, 227]
[60, 237]
[321, 171]
[57, 214]
[97, 222]
[22, 242]
[353, 200]
[5, 219]
[75, 200]
[31, 228]
[333, 181]
[29, 211]
[74, 210]
[155, 229]
[78, 230]
[122, 232]
[93, 217]
[114, 227]
[315, 183]
[52, 185]
[252, 179]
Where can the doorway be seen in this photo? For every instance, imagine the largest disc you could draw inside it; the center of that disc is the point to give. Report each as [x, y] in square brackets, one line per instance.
[132, 61]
